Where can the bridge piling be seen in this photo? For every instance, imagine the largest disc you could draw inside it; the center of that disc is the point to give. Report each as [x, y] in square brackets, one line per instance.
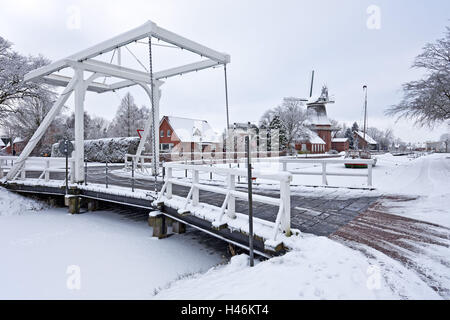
[74, 204]
[159, 223]
[178, 227]
[92, 205]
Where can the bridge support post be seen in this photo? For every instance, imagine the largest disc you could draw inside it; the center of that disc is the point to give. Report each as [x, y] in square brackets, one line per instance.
[158, 222]
[160, 227]
[92, 205]
[178, 227]
[74, 204]
[80, 92]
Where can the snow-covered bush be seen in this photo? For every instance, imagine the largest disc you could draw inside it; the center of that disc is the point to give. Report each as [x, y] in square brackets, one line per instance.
[107, 149]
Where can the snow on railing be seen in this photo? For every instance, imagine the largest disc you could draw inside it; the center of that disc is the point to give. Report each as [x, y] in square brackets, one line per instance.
[324, 173]
[227, 212]
[42, 165]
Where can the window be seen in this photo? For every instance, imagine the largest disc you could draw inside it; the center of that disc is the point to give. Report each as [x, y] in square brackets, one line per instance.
[169, 133]
[161, 133]
[166, 147]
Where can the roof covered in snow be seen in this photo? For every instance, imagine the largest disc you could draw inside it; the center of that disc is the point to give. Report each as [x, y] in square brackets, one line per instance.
[339, 140]
[315, 139]
[2, 144]
[317, 117]
[312, 137]
[193, 130]
[17, 140]
[368, 138]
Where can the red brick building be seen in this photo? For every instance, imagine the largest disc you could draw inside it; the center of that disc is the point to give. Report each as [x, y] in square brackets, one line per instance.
[364, 141]
[314, 144]
[340, 144]
[18, 145]
[187, 135]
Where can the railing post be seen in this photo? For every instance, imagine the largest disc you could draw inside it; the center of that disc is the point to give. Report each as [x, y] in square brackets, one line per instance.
[106, 174]
[369, 175]
[284, 166]
[169, 185]
[285, 196]
[250, 200]
[133, 163]
[231, 200]
[85, 172]
[239, 177]
[1, 168]
[195, 190]
[47, 172]
[324, 174]
[163, 169]
[210, 173]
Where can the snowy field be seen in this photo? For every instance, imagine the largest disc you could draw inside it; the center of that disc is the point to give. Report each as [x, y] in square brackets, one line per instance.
[117, 258]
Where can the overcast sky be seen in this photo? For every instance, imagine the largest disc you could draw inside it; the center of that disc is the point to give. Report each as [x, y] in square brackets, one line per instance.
[274, 45]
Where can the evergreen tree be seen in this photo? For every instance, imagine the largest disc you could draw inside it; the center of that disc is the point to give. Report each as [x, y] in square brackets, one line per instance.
[349, 135]
[355, 127]
[277, 126]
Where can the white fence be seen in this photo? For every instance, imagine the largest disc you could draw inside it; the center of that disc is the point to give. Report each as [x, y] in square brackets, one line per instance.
[42, 165]
[283, 218]
[138, 162]
[144, 161]
[324, 173]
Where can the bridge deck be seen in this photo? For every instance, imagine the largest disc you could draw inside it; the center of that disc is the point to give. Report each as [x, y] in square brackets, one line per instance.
[319, 211]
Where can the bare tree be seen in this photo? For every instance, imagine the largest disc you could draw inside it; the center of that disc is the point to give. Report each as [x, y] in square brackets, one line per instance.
[293, 120]
[13, 68]
[427, 101]
[98, 128]
[29, 115]
[384, 138]
[128, 119]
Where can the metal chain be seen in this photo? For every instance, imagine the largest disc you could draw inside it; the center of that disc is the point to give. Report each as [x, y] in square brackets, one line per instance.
[155, 173]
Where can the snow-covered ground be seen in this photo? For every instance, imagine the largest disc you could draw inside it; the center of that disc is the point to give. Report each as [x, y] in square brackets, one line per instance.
[117, 258]
[320, 268]
[427, 178]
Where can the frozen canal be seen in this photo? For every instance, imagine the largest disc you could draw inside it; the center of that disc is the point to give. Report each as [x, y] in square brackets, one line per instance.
[116, 257]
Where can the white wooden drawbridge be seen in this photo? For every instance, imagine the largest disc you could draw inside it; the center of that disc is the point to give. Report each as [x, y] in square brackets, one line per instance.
[87, 69]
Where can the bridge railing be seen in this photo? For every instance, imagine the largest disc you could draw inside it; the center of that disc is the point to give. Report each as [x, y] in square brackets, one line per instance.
[140, 162]
[228, 208]
[143, 162]
[41, 165]
[325, 173]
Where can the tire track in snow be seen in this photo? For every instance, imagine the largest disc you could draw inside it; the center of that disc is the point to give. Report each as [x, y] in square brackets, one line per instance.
[421, 246]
